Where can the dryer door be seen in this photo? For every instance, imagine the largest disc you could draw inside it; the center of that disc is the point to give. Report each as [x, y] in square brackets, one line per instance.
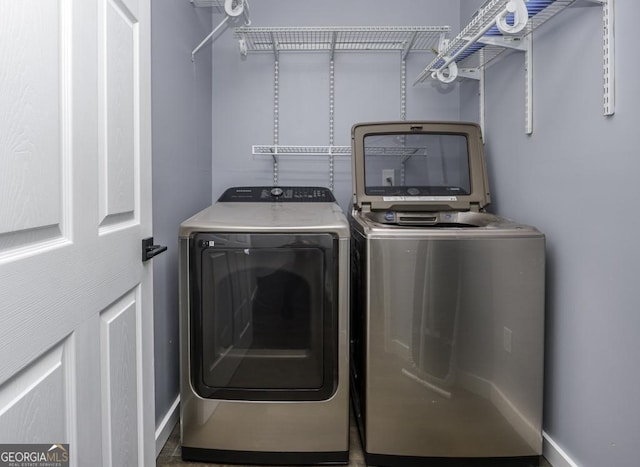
[263, 322]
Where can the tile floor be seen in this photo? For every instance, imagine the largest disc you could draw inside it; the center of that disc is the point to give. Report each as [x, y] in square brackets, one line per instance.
[171, 455]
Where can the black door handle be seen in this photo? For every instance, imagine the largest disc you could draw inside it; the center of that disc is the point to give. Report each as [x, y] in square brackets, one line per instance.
[149, 250]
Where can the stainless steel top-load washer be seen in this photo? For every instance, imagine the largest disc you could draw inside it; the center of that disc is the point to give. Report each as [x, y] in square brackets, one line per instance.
[264, 275]
[447, 304]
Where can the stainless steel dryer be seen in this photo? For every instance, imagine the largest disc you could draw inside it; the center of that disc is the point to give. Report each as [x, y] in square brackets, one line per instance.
[447, 304]
[264, 328]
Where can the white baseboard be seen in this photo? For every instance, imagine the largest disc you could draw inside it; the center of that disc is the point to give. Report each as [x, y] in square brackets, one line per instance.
[554, 454]
[165, 427]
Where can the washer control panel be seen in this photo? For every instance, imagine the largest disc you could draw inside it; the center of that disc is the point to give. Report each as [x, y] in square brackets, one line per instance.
[290, 194]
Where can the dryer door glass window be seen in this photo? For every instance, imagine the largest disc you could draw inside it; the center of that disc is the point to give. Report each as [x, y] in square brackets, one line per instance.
[264, 326]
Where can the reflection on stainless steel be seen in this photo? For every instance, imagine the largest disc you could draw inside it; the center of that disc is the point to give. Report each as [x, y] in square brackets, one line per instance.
[434, 332]
[264, 333]
[447, 302]
[450, 344]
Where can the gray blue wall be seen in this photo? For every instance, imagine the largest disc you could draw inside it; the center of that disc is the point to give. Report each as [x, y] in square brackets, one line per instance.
[181, 113]
[576, 178]
[367, 87]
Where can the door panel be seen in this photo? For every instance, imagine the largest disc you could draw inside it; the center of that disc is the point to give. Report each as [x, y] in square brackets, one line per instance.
[75, 201]
[119, 331]
[118, 75]
[36, 396]
[34, 85]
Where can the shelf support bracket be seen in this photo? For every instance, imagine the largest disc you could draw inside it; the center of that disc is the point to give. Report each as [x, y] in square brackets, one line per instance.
[208, 38]
[470, 73]
[275, 46]
[241, 8]
[514, 43]
[408, 46]
[334, 36]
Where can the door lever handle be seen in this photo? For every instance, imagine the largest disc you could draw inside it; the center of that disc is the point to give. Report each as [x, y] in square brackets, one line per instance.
[149, 250]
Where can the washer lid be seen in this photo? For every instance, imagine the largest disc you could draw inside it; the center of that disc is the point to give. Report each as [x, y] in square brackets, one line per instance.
[419, 166]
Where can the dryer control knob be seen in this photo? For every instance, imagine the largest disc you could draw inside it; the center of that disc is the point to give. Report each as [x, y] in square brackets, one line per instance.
[276, 191]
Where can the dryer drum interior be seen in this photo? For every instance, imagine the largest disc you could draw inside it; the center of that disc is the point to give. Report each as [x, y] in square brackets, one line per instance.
[263, 316]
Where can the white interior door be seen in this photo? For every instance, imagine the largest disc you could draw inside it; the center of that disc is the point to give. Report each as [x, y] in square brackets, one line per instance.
[76, 330]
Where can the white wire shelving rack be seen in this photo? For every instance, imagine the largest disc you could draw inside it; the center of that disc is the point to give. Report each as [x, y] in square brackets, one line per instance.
[483, 41]
[340, 39]
[290, 150]
[332, 40]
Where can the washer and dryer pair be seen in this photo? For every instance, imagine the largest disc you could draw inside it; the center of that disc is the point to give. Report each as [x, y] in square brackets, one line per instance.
[446, 309]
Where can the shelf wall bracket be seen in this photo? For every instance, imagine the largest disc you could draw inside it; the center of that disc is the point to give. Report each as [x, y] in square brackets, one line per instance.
[528, 84]
[443, 43]
[524, 45]
[608, 53]
[275, 47]
[276, 119]
[507, 42]
[470, 73]
[208, 38]
[331, 119]
[403, 90]
[481, 98]
[334, 37]
[409, 45]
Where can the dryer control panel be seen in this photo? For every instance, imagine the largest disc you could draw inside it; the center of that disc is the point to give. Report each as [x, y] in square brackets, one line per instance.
[291, 194]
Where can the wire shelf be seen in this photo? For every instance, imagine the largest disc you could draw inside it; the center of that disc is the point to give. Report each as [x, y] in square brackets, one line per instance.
[492, 44]
[309, 39]
[281, 150]
[404, 152]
